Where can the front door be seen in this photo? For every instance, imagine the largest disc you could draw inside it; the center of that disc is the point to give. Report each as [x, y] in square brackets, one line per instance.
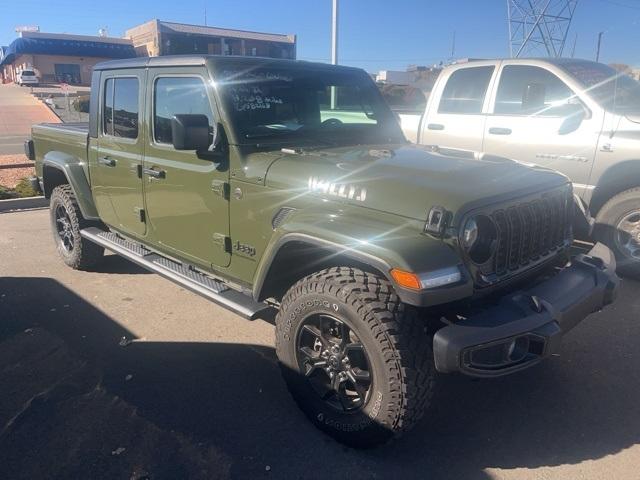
[538, 119]
[115, 179]
[187, 205]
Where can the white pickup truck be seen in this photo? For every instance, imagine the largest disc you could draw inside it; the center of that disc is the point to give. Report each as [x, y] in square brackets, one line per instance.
[578, 117]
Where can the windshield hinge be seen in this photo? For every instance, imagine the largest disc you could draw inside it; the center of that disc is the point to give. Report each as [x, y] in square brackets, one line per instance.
[220, 187]
[223, 241]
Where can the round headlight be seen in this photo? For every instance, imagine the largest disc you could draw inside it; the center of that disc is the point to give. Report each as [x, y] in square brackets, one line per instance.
[479, 238]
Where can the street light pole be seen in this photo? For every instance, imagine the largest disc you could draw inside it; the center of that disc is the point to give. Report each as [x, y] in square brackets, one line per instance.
[334, 34]
[334, 47]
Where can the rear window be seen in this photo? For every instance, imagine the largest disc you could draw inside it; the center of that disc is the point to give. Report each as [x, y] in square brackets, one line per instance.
[120, 111]
[465, 90]
[404, 98]
[29, 73]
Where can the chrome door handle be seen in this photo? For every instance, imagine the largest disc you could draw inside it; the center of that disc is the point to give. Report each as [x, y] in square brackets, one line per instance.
[435, 126]
[499, 131]
[107, 161]
[154, 173]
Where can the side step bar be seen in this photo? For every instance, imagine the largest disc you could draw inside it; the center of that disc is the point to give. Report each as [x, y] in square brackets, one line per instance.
[184, 275]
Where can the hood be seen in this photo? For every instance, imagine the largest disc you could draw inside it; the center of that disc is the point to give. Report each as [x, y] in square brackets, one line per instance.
[407, 180]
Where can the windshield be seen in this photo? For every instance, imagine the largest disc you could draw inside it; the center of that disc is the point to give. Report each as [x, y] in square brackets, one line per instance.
[613, 90]
[305, 104]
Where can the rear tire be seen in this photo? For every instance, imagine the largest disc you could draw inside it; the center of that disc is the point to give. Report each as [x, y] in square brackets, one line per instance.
[66, 223]
[350, 323]
[618, 227]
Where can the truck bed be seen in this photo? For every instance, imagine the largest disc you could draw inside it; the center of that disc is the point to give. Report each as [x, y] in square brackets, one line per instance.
[69, 138]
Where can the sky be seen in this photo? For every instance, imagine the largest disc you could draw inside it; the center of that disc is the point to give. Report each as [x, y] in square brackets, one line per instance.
[373, 34]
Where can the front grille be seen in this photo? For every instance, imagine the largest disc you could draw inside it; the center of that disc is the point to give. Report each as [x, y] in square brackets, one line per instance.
[529, 232]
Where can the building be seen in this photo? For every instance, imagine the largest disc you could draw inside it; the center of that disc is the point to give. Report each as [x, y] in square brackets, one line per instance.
[157, 37]
[61, 58]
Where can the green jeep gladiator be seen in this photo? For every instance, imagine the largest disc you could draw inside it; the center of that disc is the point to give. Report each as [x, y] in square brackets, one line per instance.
[285, 190]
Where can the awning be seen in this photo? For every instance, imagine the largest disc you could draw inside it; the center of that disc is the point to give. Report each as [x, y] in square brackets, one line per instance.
[72, 48]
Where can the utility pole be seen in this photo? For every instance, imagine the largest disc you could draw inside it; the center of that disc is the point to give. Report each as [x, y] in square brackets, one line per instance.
[600, 34]
[334, 47]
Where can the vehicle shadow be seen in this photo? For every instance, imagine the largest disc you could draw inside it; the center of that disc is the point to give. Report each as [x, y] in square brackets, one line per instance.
[112, 263]
[76, 403]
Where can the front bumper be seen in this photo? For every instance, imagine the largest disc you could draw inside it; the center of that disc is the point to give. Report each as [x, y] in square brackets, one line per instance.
[527, 326]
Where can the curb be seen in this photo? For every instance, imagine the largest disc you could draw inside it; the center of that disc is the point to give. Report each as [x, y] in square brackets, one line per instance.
[17, 204]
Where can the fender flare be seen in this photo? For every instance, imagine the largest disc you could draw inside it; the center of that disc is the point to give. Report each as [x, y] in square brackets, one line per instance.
[72, 169]
[271, 254]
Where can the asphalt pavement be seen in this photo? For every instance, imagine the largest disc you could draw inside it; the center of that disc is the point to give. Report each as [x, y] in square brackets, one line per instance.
[117, 373]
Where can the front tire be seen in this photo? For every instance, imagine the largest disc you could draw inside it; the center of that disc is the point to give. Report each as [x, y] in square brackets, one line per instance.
[66, 223]
[357, 361]
[618, 227]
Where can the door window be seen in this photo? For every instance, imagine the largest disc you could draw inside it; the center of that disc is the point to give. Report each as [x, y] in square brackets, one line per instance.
[175, 96]
[120, 112]
[465, 90]
[526, 90]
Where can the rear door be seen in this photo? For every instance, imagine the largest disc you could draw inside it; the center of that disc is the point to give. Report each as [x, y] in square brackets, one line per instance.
[115, 174]
[536, 117]
[455, 119]
[185, 193]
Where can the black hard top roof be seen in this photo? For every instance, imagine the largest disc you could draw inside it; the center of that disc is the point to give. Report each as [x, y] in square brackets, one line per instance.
[198, 60]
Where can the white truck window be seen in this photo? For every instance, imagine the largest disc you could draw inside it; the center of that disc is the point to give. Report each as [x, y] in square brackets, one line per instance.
[465, 90]
[527, 90]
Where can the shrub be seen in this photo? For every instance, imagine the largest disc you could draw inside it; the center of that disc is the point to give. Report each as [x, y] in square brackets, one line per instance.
[6, 193]
[24, 189]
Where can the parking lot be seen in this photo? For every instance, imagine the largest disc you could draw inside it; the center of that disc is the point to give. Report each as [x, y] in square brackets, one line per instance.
[198, 393]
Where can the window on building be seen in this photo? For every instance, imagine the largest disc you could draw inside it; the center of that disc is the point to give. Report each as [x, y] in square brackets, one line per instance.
[120, 112]
[526, 90]
[465, 90]
[178, 95]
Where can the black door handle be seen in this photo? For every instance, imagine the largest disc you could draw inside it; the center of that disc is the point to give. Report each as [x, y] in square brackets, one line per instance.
[499, 131]
[435, 126]
[107, 161]
[154, 173]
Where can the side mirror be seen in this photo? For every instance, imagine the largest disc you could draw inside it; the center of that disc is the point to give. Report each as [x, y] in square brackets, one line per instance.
[533, 96]
[575, 114]
[191, 132]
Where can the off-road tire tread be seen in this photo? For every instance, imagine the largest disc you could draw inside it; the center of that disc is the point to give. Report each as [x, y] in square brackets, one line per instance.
[402, 336]
[87, 254]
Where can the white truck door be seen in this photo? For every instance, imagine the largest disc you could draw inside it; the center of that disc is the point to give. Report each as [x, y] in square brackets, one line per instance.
[454, 119]
[535, 117]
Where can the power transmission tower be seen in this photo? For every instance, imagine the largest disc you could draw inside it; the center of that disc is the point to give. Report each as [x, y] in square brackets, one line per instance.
[539, 27]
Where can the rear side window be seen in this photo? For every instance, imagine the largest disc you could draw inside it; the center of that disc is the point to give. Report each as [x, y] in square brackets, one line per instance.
[120, 112]
[175, 96]
[465, 90]
[526, 90]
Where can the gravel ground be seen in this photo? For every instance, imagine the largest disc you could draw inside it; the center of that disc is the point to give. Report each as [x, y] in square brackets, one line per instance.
[10, 177]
